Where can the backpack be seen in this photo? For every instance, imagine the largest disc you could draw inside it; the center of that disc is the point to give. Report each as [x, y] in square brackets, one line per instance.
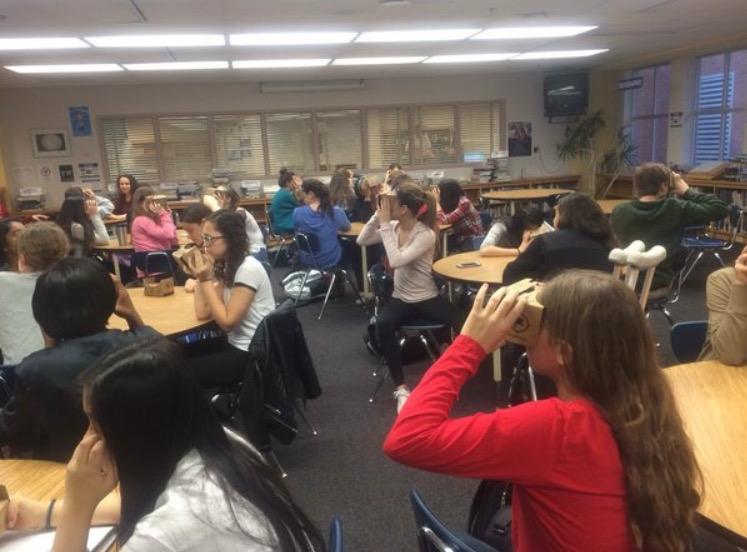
[292, 285]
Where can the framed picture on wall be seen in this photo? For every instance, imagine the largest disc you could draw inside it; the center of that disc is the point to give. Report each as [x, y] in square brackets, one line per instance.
[50, 142]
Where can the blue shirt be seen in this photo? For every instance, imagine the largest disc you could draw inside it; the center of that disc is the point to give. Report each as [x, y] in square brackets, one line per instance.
[327, 251]
[281, 211]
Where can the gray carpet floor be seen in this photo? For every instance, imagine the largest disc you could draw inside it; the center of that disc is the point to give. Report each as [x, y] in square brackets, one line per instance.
[343, 472]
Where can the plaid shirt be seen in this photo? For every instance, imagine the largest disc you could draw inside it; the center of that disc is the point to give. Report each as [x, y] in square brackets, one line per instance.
[465, 220]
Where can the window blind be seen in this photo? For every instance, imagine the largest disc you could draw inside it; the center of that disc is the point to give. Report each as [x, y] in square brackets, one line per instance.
[339, 139]
[388, 136]
[435, 135]
[238, 144]
[475, 132]
[185, 148]
[130, 148]
[290, 142]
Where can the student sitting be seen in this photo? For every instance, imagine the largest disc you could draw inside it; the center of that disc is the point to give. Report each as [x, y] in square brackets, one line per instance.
[229, 200]
[104, 205]
[604, 466]
[192, 220]
[185, 485]
[341, 192]
[233, 290]
[72, 303]
[127, 185]
[40, 245]
[9, 230]
[367, 191]
[582, 240]
[726, 298]
[657, 219]
[403, 223]
[153, 228]
[514, 234]
[80, 220]
[455, 208]
[284, 202]
[321, 221]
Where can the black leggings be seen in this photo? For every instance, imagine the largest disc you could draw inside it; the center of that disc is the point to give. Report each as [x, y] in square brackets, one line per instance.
[395, 313]
[222, 366]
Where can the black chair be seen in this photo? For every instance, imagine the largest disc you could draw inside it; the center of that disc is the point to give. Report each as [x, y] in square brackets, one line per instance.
[153, 262]
[308, 243]
[275, 242]
[486, 219]
[335, 536]
[687, 339]
[434, 536]
[381, 284]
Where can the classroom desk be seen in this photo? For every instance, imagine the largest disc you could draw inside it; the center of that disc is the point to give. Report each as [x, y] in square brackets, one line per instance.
[712, 400]
[608, 205]
[114, 248]
[529, 194]
[35, 479]
[170, 315]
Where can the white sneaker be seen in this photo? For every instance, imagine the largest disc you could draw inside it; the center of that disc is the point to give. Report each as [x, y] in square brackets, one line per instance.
[401, 395]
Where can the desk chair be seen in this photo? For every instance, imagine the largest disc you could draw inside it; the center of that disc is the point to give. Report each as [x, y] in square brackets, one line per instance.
[687, 339]
[153, 262]
[275, 242]
[434, 536]
[335, 536]
[308, 243]
[381, 284]
[700, 244]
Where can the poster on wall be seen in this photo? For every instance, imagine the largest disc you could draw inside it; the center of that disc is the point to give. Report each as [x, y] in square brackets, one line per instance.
[89, 174]
[80, 120]
[50, 142]
[66, 173]
[519, 139]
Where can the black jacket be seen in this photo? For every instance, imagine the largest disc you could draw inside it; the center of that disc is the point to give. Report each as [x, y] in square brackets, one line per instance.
[44, 419]
[286, 372]
[555, 251]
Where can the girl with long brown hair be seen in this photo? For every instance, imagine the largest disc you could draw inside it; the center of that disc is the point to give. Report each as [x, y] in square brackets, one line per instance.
[604, 466]
[153, 228]
[404, 224]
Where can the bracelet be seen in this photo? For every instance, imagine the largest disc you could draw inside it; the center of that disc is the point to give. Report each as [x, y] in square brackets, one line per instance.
[48, 522]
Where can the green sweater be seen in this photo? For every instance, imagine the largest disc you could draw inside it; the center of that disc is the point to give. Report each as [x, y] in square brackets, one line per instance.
[663, 222]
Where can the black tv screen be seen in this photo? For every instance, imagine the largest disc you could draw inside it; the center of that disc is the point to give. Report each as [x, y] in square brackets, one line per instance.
[566, 94]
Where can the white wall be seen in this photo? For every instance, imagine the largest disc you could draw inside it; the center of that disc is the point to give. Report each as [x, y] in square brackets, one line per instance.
[24, 109]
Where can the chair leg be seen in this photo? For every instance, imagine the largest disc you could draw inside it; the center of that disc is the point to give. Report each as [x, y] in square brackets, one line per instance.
[719, 259]
[277, 253]
[532, 385]
[273, 461]
[326, 297]
[379, 384]
[308, 423]
[357, 292]
[690, 268]
[427, 346]
[303, 285]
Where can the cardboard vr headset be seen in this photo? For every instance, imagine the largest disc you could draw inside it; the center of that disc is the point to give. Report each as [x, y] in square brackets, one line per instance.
[526, 329]
[184, 254]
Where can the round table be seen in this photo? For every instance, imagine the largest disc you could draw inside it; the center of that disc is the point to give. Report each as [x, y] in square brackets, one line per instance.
[169, 315]
[490, 270]
[529, 194]
[608, 205]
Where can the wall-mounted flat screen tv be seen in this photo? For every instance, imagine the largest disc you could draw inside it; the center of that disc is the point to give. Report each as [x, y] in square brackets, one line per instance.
[566, 94]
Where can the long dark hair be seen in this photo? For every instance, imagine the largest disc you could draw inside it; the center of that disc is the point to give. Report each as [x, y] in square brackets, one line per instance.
[121, 204]
[321, 192]
[450, 192]
[152, 412]
[339, 188]
[73, 210]
[285, 177]
[139, 207]
[6, 225]
[612, 361]
[581, 213]
[522, 220]
[231, 225]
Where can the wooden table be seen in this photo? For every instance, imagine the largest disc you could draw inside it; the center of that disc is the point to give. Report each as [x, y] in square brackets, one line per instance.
[529, 194]
[36, 479]
[608, 205]
[712, 400]
[114, 248]
[170, 315]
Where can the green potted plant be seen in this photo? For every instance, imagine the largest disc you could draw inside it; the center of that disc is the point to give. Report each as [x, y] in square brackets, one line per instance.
[578, 142]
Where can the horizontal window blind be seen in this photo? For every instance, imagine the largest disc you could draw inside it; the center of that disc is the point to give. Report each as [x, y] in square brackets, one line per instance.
[435, 135]
[290, 142]
[475, 132]
[185, 148]
[388, 132]
[339, 139]
[130, 148]
[238, 144]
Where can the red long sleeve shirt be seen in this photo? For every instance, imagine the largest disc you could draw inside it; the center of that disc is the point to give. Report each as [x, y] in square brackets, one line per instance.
[569, 491]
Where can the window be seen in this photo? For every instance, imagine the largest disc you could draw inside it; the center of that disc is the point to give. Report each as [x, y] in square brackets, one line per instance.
[290, 142]
[130, 147]
[479, 131]
[238, 144]
[647, 112]
[721, 112]
[388, 136]
[435, 135]
[185, 148]
[339, 135]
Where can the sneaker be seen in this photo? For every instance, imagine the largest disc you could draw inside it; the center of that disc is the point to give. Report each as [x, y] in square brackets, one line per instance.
[401, 395]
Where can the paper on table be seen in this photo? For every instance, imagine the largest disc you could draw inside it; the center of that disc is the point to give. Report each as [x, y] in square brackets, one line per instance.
[99, 539]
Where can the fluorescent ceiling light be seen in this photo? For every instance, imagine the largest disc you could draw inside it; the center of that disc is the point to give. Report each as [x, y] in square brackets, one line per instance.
[279, 63]
[74, 68]
[48, 43]
[176, 66]
[469, 58]
[289, 39]
[530, 32]
[378, 60]
[560, 54]
[157, 41]
[416, 35]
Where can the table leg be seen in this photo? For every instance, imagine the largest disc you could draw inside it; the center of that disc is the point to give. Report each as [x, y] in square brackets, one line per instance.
[115, 262]
[497, 365]
[364, 270]
[445, 235]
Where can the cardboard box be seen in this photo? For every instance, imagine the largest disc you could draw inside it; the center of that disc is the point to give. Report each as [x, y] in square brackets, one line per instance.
[526, 329]
[158, 288]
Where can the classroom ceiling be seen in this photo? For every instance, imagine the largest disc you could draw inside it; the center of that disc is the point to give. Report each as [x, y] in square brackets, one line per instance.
[630, 29]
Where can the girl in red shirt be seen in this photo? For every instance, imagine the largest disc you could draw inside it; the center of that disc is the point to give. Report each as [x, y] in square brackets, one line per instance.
[604, 466]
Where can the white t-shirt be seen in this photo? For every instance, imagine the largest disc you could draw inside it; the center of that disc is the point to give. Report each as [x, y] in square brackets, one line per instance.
[253, 275]
[253, 231]
[192, 515]
[20, 335]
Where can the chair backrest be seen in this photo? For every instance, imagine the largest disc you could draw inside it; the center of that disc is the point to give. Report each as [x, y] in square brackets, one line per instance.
[268, 218]
[381, 282]
[434, 536]
[487, 219]
[153, 262]
[335, 536]
[687, 339]
[632, 260]
[476, 242]
[307, 243]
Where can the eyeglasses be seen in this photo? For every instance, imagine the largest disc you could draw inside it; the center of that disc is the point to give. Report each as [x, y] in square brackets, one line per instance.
[208, 239]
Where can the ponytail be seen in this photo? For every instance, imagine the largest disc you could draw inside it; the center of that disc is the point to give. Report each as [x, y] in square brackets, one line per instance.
[321, 191]
[422, 204]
